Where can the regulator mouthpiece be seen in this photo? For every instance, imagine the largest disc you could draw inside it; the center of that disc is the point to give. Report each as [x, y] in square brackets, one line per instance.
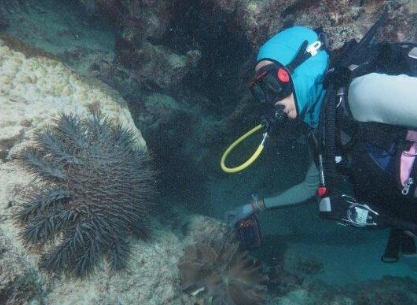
[274, 118]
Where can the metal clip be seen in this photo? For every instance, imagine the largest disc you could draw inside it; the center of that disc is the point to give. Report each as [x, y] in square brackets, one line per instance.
[314, 48]
[407, 186]
[358, 214]
[411, 138]
[265, 138]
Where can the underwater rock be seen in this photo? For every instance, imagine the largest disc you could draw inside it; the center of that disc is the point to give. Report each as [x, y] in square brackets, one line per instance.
[308, 265]
[175, 129]
[229, 6]
[19, 282]
[139, 20]
[159, 111]
[342, 20]
[199, 228]
[109, 9]
[34, 90]
[152, 278]
[4, 23]
[295, 285]
[282, 282]
[142, 24]
[159, 68]
[385, 291]
[116, 75]
[313, 292]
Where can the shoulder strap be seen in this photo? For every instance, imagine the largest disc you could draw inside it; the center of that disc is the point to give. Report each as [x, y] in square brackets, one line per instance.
[389, 58]
[352, 54]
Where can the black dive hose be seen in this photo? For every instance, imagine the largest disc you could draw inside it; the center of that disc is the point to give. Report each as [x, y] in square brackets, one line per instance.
[329, 135]
[335, 91]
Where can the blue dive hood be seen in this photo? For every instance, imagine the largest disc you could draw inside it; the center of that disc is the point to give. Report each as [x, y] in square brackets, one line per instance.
[308, 77]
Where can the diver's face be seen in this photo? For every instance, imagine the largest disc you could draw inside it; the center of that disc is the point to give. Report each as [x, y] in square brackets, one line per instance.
[288, 102]
[289, 106]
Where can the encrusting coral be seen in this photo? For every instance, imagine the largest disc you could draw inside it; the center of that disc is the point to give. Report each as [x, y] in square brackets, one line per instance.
[95, 189]
[221, 274]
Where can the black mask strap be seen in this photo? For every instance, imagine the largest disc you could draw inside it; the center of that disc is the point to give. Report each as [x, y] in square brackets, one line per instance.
[304, 52]
[299, 58]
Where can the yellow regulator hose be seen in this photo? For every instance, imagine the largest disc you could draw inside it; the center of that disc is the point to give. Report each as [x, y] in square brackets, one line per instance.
[251, 159]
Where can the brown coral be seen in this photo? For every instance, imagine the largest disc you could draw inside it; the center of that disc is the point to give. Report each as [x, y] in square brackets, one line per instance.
[221, 274]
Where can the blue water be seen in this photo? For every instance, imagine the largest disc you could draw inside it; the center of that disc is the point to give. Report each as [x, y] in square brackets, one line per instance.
[347, 255]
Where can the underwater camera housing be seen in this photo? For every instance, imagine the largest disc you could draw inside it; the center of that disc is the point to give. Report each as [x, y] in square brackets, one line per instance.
[249, 233]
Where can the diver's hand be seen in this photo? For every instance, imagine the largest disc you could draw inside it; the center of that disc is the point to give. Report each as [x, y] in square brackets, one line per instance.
[236, 215]
[244, 211]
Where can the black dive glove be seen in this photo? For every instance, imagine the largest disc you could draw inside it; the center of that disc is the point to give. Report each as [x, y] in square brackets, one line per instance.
[338, 77]
[348, 211]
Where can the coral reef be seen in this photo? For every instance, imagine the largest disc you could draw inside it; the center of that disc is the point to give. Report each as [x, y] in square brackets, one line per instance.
[139, 20]
[159, 68]
[307, 291]
[142, 25]
[36, 88]
[342, 20]
[24, 48]
[97, 189]
[198, 228]
[33, 92]
[290, 286]
[175, 129]
[220, 274]
[159, 111]
[283, 282]
[151, 280]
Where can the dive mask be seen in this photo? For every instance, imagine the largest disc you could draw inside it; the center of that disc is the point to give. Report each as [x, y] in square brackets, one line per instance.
[271, 84]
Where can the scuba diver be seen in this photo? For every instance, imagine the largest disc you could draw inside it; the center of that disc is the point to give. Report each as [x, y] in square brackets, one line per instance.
[360, 107]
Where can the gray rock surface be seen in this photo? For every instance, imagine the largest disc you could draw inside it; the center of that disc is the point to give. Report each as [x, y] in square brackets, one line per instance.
[32, 93]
